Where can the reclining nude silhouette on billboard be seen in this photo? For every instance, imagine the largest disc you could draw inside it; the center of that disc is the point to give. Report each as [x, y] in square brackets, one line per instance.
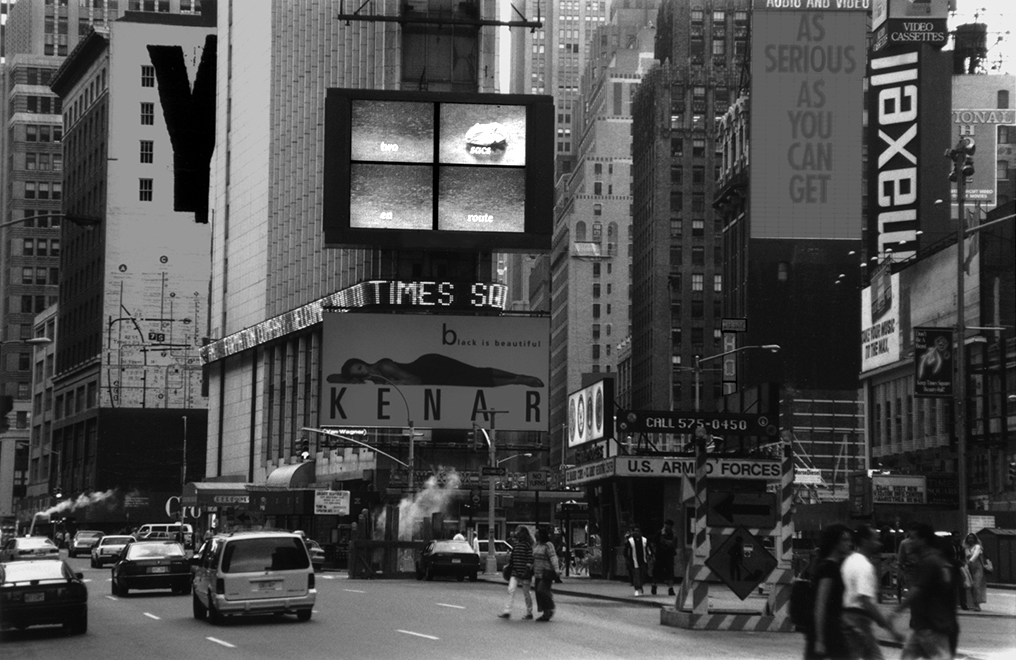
[429, 369]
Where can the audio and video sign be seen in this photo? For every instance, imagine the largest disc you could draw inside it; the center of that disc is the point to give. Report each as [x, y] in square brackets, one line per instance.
[433, 170]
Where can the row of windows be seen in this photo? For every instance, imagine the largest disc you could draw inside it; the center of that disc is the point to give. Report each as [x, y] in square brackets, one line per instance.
[43, 133]
[40, 247]
[43, 190]
[34, 305]
[44, 162]
[40, 275]
[34, 218]
[38, 76]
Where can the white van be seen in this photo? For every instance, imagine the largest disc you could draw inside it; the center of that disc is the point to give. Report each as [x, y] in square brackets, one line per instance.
[166, 528]
[253, 573]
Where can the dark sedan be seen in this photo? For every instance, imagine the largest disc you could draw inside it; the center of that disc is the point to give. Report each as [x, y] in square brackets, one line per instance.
[455, 558]
[42, 592]
[152, 565]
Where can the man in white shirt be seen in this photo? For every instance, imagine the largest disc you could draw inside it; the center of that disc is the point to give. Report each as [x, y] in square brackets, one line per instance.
[860, 597]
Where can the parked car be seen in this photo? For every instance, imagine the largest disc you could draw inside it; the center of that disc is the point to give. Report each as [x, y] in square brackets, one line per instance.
[28, 547]
[40, 592]
[502, 552]
[108, 548]
[84, 540]
[455, 558]
[253, 573]
[317, 555]
[151, 565]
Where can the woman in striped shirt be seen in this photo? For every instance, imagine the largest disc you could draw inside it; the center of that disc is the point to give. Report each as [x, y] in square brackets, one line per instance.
[521, 560]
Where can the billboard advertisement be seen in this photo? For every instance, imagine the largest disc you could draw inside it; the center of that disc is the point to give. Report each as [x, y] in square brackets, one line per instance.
[591, 413]
[807, 109]
[933, 363]
[880, 323]
[895, 22]
[908, 131]
[898, 489]
[440, 371]
[433, 170]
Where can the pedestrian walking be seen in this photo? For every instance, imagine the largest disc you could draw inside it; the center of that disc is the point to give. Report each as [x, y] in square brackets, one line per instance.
[860, 595]
[906, 561]
[974, 554]
[546, 571]
[636, 555]
[664, 550]
[932, 603]
[824, 637]
[521, 560]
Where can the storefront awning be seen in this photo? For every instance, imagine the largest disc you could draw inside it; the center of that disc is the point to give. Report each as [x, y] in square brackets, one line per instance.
[295, 475]
[215, 494]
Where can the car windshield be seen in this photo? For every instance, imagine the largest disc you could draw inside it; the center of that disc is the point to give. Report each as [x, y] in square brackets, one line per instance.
[24, 571]
[452, 546]
[89, 535]
[152, 550]
[115, 540]
[35, 542]
[264, 554]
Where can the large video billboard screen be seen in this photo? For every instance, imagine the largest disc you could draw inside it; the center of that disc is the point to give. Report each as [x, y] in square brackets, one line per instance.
[806, 123]
[443, 171]
[448, 368]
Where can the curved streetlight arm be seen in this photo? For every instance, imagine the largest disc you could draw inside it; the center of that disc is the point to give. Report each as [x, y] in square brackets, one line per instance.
[412, 435]
[527, 455]
[336, 434]
[699, 360]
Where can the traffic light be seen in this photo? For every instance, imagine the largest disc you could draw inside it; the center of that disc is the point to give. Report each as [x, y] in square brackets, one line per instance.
[963, 157]
[1012, 473]
[477, 438]
[305, 449]
[58, 492]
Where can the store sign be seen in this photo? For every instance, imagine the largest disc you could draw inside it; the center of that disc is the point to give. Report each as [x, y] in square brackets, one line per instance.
[898, 489]
[331, 502]
[658, 466]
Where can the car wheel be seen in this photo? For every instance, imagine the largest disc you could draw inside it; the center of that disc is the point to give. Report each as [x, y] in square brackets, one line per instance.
[93, 563]
[113, 588]
[200, 611]
[473, 577]
[72, 554]
[429, 575]
[303, 615]
[214, 615]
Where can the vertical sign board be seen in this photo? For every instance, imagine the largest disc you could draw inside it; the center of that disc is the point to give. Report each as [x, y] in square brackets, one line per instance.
[807, 91]
[591, 413]
[933, 363]
[908, 131]
[881, 336]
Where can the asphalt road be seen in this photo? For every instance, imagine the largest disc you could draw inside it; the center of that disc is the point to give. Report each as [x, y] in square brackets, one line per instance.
[395, 620]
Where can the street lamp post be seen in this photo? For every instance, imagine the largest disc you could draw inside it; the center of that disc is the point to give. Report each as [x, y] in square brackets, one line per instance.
[699, 360]
[412, 436]
[504, 460]
[492, 486]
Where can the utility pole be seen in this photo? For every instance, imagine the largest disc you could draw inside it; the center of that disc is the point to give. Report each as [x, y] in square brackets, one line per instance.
[492, 485]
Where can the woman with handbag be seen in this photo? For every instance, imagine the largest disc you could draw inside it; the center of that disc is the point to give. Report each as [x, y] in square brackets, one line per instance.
[545, 569]
[975, 564]
[519, 572]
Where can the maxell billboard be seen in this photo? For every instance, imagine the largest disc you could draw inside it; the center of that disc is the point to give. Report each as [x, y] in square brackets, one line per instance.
[441, 371]
[908, 131]
[807, 90]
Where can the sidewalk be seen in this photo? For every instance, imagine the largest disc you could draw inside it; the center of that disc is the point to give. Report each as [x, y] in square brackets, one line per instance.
[721, 599]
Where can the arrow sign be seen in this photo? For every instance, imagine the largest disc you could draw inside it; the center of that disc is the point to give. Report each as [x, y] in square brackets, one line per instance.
[741, 562]
[736, 509]
[489, 471]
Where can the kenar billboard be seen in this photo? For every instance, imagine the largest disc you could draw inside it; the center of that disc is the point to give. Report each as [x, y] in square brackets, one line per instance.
[447, 370]
[807, 90]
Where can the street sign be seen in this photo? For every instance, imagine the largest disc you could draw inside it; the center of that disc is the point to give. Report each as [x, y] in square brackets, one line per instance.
[808, 476]
[721, 423]
[539, 480]
[733, 325]
[737, 509]
[489, 471]
[741, 562]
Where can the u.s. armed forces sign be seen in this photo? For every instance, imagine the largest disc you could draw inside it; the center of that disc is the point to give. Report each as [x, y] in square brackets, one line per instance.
[655, 466]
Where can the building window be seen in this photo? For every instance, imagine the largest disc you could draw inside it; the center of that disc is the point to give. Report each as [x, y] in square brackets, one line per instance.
[31, 161]
[596, 351]
[27, 275]
[147, 114]
[597, 209]
[698, 254]
[147, 75]
[147, 151]
[698, 148]
[697, 281]
[596, 290]
[698, 227]
[30, 188]
[718, 283]
[28, 247]
[145, 190]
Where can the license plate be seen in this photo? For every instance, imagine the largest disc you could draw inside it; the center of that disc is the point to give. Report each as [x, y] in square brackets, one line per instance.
[35, 598]
[456, 561]
[268, 586]
[159, 569]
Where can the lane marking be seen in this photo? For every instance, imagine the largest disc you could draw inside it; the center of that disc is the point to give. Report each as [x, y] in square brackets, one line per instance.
[219, 641]
[112, 597]
[152, 616]
[416, 634]
[87, 580]
[457, 607]
[355, 591]
[327, 577]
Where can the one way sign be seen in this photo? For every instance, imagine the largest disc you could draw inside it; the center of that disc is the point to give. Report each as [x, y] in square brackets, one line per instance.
[753, 510]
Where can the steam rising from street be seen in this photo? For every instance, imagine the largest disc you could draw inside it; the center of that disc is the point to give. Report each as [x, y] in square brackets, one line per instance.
[434, 497]
[82, 501]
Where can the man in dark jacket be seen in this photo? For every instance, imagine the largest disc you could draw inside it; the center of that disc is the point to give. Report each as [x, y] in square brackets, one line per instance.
[932, 601]
[664, 550]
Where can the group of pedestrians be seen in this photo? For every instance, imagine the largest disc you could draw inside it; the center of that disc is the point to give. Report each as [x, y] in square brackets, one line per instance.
[532, 559]
[845, 588]
[651, 560]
